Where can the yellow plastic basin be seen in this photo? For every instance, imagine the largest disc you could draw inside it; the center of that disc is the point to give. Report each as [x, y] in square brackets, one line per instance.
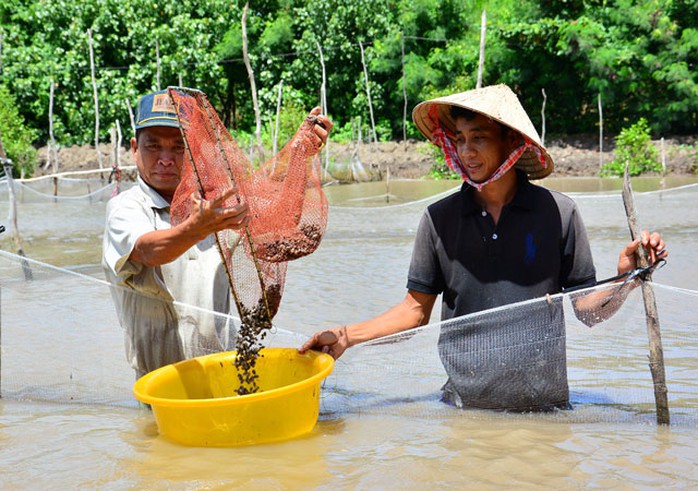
[195, 401]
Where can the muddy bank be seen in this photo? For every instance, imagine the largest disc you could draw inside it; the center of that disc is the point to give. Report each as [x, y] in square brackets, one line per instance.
[573, 156]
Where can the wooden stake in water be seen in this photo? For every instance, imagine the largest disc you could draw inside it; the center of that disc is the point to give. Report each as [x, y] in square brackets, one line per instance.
[653, 331]
[7, 166]
[1, 342]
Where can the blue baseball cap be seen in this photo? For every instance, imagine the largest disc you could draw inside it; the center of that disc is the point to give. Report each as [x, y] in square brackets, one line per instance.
[156, 109]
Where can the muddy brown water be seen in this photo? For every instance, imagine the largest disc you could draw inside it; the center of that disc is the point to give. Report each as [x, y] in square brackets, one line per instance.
[358, 271]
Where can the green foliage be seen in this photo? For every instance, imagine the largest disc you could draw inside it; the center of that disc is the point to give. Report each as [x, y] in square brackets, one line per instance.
[641, 57]
[634, 148]
[291, 116]
[344, 133]
[439, 169]
[16, 137]
[47, 41]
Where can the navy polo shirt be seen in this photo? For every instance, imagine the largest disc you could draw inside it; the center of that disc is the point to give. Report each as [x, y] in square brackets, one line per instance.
[539, 246]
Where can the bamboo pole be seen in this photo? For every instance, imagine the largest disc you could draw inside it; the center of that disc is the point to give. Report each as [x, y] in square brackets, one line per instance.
[663, 157]
[157, 62]
[368, 93]
[118, 143]
[2, 229]
[481, 62]
[52, 154]
[656, 355]
[52, 142]
[542, 117]
[112, 143]
[130, 115]
[7, 166]
[253, 87]
[116, 162]
[275, 144]
[75, 173]
[96, 99]
[323, 104]
[404, 92]
[600, 132]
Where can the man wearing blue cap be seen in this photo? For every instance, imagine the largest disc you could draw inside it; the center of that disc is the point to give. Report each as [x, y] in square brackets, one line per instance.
[156, 264]
[160, 271]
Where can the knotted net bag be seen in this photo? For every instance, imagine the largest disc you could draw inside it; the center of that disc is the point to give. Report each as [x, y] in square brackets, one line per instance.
[287, 209]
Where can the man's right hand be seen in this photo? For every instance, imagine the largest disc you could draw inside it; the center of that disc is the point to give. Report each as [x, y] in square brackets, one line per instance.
[212, 216]
[207, 216]
[333, 341]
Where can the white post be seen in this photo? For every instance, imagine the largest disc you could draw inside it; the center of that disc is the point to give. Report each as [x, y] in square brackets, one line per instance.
[481, 62]
[278, 113]
[250, 73]
[118, 143]
[7, 166]
[130, 115]
[52, 148]
[368, 93]
[663, 158]
[404, 92]
[114, 149]
[96, 98]
[323, 103]
[157, 61]
[600, 132]
[542, 114]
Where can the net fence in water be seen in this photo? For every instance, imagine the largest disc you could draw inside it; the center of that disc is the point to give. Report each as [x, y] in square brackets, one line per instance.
[61, 342]
[48, 189]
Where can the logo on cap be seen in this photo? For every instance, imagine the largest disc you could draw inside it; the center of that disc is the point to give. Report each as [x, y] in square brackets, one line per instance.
[162, 103]
[156, 109]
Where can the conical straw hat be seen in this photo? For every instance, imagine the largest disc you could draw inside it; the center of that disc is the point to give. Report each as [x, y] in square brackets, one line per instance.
[497, 102]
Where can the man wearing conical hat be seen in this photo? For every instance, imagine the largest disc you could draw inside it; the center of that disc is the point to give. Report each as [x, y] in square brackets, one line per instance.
[498, 241]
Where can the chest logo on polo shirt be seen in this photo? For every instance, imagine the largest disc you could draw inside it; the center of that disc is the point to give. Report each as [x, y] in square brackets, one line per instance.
[531, 249]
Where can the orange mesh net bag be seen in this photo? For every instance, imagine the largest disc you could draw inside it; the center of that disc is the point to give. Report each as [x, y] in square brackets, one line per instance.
[287, 209]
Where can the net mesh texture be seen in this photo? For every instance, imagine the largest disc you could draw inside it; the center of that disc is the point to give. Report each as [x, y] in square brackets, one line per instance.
[287, 210]
[59, 348]
[61, 340]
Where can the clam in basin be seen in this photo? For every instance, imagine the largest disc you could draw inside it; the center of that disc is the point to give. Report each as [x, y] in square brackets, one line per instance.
[195, 402]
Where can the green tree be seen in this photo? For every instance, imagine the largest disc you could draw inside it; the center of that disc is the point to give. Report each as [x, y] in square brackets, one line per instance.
[634, 148]
[16, 136]
[640, 56]
[47, 40]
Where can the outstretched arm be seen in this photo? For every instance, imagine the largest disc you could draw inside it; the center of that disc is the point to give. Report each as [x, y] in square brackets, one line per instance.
[595, 307]
[413, 311]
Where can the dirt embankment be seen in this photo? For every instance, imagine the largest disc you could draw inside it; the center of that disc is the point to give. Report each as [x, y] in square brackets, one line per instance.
[573, 156]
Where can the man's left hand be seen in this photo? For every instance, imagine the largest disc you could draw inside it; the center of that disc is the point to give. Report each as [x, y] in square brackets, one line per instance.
[322, 126]
[652, 242]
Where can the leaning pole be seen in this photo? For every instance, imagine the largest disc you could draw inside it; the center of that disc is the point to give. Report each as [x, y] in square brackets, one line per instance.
[656, 355]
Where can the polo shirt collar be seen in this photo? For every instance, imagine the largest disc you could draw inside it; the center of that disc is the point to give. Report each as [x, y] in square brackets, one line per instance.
[522, 199]
[153, 198]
